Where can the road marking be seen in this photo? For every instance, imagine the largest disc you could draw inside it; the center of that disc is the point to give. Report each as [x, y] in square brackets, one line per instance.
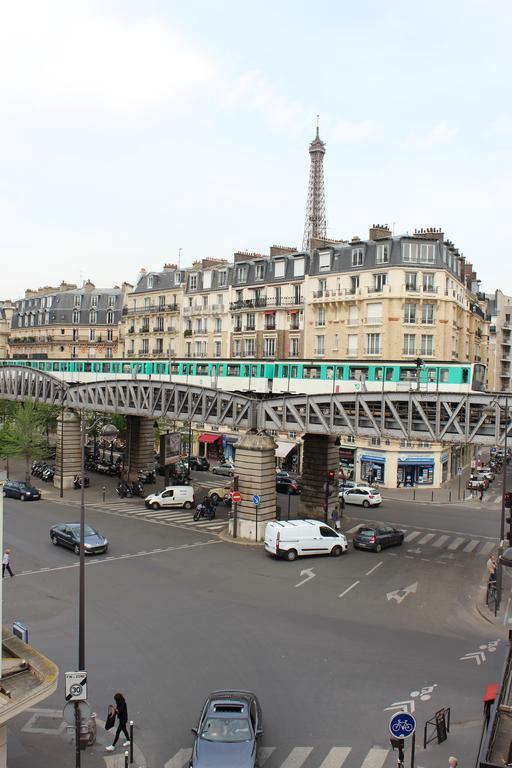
[428, 537]
[374, 568]
[412, 535]
[98, 561]
[354, 529]
[487, 548]
[335, 757]
[297, 757]
[310, 574]
[478, 656]
[456, 543]
[348, 590]
[375, 758]
[396, 593]
[467, 534]
[471, 546]
[263, 755]
[180, 759]
[440, 541]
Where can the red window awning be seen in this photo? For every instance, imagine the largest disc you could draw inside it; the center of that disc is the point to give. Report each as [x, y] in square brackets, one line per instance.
[269, 312]
[209, 437]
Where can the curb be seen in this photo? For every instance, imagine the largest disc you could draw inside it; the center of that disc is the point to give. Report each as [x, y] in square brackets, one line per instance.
[228, 539]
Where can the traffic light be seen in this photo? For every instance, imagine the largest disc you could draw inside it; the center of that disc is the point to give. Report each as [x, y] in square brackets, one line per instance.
[330, 476]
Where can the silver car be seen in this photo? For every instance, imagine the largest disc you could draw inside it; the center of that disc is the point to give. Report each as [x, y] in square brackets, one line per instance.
[226, 468]
[227, 734]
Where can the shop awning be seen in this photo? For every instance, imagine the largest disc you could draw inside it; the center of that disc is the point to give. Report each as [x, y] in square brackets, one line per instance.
[374, 459]
[209, 437]
[283, 449]
[423, 460]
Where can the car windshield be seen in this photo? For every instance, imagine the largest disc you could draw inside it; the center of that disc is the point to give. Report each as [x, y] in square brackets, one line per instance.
[367, 532]
[220, 729]
[88, 530]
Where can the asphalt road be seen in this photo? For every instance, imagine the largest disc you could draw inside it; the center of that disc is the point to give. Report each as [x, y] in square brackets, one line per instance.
[331, 646]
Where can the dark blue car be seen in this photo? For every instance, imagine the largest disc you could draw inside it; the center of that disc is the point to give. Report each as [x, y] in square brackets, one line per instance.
[17, 489]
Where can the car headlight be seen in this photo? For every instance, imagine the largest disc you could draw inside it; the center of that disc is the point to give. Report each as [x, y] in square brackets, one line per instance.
[87, 546]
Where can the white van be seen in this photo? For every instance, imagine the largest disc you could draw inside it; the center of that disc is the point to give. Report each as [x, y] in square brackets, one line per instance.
[291, 538]
[172, 496]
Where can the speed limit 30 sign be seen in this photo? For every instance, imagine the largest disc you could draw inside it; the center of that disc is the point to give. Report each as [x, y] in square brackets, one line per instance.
[76, 686]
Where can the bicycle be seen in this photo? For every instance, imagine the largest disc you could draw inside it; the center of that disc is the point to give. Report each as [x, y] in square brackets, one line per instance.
[492, 595]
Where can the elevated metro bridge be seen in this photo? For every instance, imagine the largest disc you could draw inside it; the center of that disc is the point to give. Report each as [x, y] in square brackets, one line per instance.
[449, 417]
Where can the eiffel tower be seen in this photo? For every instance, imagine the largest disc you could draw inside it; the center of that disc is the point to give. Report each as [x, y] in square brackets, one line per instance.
[316, 224]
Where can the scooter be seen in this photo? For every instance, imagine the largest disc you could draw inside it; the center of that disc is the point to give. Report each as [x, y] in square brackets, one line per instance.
[77, 482]
[208, 512]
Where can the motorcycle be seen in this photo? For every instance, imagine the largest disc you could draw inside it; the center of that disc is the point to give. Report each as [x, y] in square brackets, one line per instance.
[147, 477]
[123, 490]
[203, 510]
[77, 482]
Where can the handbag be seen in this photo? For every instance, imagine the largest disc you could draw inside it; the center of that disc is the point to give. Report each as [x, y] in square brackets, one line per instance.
[111, 717]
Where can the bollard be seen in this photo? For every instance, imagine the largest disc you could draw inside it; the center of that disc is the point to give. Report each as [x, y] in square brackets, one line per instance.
[450, 496]
[131, 742]
[104, 490]
[414, 495]
[432, 495]
[126, 760]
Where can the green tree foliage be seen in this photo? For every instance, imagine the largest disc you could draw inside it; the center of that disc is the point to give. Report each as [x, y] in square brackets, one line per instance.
[24, 435]
[6, 410]
[47, 417]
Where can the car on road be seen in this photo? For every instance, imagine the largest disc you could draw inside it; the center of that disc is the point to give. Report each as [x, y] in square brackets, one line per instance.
[365, 496]
[477, 482]
[68, 535]
[199, 463]
[220, 494]
[226, 468]
[345, 485]
[227, 733]
[292, 538]
[288, 485]
[17, 489]
[172, 496]
[486, 472]
[377, 537]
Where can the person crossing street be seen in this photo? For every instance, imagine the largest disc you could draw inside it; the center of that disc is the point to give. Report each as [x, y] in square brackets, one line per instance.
[6, 563]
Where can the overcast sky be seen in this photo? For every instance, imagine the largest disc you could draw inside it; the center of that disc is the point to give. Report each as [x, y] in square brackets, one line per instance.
[132, 128]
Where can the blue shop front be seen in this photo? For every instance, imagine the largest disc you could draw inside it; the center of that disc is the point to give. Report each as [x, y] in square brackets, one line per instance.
[414, 469]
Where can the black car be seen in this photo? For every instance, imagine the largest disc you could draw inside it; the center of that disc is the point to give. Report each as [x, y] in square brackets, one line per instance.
[17, 489]
[228, 730]
[199, 463]
[287, 485]
[68, 535]
[377, 537]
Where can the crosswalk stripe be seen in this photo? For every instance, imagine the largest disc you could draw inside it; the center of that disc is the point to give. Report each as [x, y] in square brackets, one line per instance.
[180, 759]
[472, 545]
[264, 754]
[375, 758]
[354, 529]
[440, 541]
[217, 527]
[428, 537]
[487, 548]
[335, 757]
[456, 543]
[412, 535]
[297, 757]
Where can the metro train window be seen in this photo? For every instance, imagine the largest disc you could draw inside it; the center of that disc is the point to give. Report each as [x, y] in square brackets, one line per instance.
[465, 375]
[294, 371]
[407, 374]
[357, 374]
[284, 371]
[378, 374]
[233, 370]
[329, 373]
[175, 368]
[444, 374]
[311, 372]
[389, 374]
[87, 367]
[339, 371]
[202, 369]
[431, 375]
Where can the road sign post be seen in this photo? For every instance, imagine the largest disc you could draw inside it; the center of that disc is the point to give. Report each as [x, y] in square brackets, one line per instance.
[76, 686]
[401, 726]
[256, 501]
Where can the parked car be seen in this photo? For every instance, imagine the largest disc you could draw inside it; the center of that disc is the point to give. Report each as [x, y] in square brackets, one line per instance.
[288, 485]
[228, 730]
[68, 535]
[347, 484]
[377, 537]
[292, 538]
[226, 468]
[220, 494]
[365, 496]
[199, 463]
[17, 489]
[172, 496]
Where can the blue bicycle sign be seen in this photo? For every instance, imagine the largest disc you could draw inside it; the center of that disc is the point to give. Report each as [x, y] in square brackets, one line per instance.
[402, 725]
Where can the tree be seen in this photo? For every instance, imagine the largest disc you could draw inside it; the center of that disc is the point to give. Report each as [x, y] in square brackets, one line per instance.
[47, 417]
[24, 435]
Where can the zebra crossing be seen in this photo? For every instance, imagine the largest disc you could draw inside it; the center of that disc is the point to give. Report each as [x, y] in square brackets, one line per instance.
[336, 757]
[439, 541]
[177, 517]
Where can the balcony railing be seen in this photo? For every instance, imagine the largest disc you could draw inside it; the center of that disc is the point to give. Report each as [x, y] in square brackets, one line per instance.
[269, 301]
[372, 351]
[249, 328]
[31, 340]
[409, 352]
[158, 329]
[171, 329]
[320, 351]
[237, 329]
[270, 327]
[144, 329]
[152, 308]
[158, 351]
[187, 332]
[294, 327]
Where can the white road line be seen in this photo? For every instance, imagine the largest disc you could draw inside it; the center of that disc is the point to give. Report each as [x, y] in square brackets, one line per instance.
[471, 546]
[375, 758]
[354, 529]
[487, 548]
[297, 757]
[456, 543]
[425, 539]
[412, 535]
[440, 541]
[180, 759]
[335, 757]
[374, 568]
[348, 590]
[263, 755]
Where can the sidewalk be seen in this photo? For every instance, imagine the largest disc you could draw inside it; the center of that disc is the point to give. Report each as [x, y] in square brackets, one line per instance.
[453, 491]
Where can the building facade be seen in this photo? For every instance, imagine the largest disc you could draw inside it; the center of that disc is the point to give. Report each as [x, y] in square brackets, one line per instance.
[499, 315]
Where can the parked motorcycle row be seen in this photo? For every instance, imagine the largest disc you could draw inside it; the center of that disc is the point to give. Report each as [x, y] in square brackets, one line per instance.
[104, 467]
[43, 470]
[136, 488]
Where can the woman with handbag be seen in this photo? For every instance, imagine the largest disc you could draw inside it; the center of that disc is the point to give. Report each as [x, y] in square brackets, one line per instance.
[121, 710]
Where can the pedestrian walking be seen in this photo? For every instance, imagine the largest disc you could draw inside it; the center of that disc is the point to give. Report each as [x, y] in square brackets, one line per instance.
[491, 568]
[452, 762]
[481, 492]
[6, 563]
[335, 519]
[121, 710]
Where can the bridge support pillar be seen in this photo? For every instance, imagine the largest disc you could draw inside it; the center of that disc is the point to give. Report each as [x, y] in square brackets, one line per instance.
[67, 457]
[255, 466]
[319, 498]
[140, 445]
